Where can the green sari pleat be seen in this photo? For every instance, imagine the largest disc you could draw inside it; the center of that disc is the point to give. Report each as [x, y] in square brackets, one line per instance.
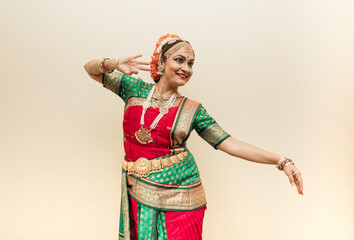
[124, 226]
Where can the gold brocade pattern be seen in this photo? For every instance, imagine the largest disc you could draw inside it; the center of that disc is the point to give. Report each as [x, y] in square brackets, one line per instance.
[125, 232]
[112, 81]
[155, 103]
[177, 150]
[183, 122]
[213, 134]
[166, 198]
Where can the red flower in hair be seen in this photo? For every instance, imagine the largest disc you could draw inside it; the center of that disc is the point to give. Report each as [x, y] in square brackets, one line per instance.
[154, 64]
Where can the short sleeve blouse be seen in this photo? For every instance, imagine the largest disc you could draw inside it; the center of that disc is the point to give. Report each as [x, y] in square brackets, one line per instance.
[208, 129]
[126, 86]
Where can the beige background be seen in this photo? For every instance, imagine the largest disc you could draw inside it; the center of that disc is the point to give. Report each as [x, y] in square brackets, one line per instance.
[276, 74]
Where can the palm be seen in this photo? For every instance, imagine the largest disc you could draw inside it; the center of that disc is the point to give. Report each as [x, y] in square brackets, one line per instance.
[129, 65]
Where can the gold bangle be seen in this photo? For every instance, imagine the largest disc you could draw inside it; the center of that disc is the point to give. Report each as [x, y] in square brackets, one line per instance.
[283, 162]
[101, 66]
[288, 163]
[116, 65]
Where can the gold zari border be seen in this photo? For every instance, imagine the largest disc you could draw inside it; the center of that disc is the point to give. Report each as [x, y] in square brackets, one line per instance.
[112, 81]
[165, 198]
[183, 122]
[213, 134]
[155, 103]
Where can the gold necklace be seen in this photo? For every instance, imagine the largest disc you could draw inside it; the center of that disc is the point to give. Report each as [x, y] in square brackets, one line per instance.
[143, 135]
[160, 98]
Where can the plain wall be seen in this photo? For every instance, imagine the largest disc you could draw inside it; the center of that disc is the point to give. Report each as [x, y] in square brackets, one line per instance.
[276, 74]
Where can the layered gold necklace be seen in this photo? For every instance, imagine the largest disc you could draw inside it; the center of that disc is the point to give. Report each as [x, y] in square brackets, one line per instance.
[143, 135]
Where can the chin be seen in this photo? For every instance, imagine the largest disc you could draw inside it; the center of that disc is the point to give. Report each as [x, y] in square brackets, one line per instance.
[181, 82]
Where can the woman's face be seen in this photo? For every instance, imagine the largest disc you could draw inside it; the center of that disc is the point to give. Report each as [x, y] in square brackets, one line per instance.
[178, 68]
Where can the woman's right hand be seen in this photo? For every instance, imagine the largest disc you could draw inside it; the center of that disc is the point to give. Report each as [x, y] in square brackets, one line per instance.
[130, 65]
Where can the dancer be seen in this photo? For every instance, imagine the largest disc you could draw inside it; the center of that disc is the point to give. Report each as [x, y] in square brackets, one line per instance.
[162, 193]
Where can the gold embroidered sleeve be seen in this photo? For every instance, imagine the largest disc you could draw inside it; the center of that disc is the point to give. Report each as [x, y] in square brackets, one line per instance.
[209, 129]
[122, 85]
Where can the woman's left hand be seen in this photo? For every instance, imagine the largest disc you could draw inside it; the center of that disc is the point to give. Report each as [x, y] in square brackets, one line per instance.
[294, 176]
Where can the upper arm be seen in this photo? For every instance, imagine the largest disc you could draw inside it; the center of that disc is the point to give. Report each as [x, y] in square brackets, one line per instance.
[227, 145]
[122, 85]
[209, 129]
[97, 78]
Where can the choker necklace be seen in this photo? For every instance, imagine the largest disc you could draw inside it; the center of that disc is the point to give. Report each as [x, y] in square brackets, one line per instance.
[160, 98]
[143, 135]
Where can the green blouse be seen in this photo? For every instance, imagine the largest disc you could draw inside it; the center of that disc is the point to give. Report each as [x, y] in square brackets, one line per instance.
[126, 86]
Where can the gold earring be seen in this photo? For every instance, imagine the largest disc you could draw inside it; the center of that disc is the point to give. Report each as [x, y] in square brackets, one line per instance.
[160, 68]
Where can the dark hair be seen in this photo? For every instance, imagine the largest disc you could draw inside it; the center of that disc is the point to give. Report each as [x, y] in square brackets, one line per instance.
[167, 46]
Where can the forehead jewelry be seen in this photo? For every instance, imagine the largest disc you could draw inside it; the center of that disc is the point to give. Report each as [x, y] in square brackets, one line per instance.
[179, 45]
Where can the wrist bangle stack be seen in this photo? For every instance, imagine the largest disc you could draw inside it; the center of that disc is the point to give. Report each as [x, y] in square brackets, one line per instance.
[101, 66]
[283, 162]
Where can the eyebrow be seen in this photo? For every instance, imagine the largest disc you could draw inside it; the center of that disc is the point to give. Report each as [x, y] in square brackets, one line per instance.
[184, 57]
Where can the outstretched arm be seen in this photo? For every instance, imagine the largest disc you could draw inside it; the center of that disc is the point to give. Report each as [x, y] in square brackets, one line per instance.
[249, 152]
[126, 65]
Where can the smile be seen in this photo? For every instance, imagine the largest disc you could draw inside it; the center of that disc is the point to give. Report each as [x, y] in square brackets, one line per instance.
[183, 76]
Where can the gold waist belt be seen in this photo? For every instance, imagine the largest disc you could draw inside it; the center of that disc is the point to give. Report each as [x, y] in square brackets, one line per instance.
[143, 167]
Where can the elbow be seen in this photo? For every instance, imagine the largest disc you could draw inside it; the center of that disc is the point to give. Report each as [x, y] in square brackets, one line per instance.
[230, 146]
[226, 145]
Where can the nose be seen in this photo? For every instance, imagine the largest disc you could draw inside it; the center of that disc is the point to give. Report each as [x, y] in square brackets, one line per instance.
[185, 67]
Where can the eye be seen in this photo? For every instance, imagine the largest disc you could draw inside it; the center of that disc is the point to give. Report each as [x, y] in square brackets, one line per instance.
[179, 60]
[190, 64]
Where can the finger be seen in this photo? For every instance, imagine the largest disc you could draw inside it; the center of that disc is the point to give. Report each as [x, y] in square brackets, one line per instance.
[134, 71]
[128, 72]
[142, 62]
[299, 184]
[135, 56]
[143, 68]
[291, 178]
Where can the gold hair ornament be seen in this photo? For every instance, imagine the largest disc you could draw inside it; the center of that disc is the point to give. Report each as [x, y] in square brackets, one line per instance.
[178, 46]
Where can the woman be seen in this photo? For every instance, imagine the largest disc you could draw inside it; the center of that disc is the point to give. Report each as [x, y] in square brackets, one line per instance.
[162, 194]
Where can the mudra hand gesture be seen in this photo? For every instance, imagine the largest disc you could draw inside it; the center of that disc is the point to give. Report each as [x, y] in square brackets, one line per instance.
[129, 65]
[294, 176]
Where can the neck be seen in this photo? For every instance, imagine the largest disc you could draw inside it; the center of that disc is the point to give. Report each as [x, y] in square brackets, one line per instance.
[165, 90]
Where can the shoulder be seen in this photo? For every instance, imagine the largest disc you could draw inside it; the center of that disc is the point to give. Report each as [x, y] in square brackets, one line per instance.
[137, 86]
[191, 105]
[191, 101]
[190, 108]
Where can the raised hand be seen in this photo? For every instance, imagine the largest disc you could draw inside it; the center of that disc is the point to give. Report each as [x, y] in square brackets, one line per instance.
[130, 65]
[294, 176]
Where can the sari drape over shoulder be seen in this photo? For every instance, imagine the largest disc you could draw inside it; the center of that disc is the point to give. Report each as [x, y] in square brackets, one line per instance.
[169, 203]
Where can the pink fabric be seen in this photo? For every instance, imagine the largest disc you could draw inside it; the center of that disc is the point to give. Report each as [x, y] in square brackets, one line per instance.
[161, 135]
[186, 225]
